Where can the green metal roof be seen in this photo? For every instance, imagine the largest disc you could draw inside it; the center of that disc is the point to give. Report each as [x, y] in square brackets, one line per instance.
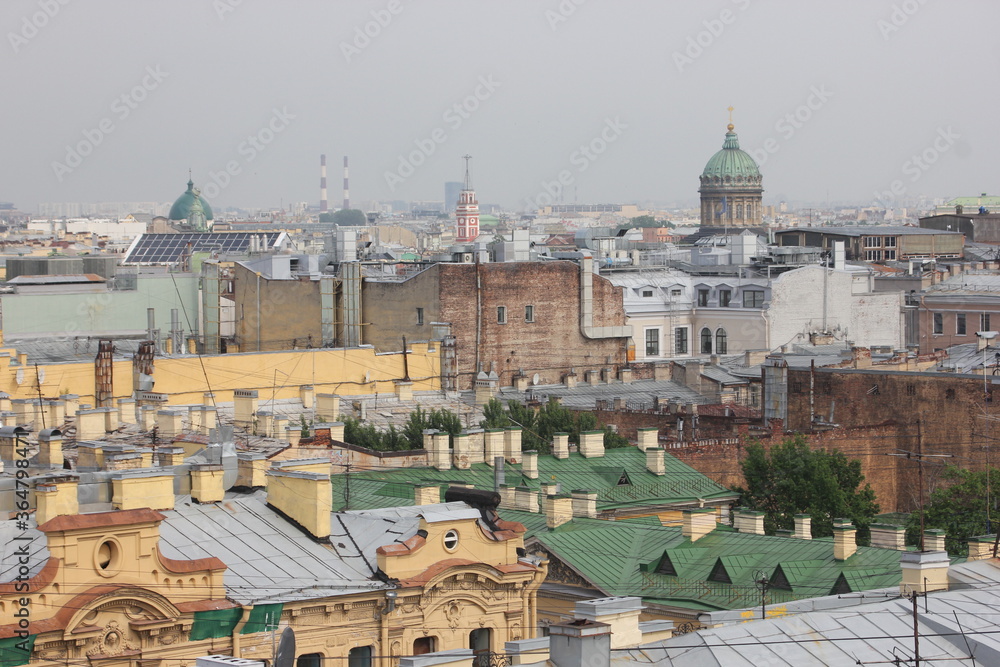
[190, 202]
[731, 161]
[680, 484]
[989, 201]
[621, 558]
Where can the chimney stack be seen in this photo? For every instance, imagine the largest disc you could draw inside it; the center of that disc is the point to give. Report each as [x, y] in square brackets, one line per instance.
[923, 571]
[845, 542]
[654, 461]
[558, 510]
[592, 444]
[529, 465]
[698, 522]
[560, 445]
[347, 193]
[646, 437]
[322, 184]
[803, 527]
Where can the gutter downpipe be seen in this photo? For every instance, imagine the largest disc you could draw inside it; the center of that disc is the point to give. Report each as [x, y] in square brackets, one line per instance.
[238, 628]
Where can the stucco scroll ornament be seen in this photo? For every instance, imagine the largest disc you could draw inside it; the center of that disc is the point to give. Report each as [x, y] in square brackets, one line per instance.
[454, 615]
[113, 641]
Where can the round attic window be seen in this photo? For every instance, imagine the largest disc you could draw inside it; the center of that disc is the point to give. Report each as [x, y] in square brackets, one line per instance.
[107, 557]
[451, 540]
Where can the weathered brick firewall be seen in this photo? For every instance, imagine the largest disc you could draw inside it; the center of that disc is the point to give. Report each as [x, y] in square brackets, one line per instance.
[551, 344]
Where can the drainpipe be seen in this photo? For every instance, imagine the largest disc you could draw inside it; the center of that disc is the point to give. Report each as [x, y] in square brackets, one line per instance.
[239, 629]
[258, 311]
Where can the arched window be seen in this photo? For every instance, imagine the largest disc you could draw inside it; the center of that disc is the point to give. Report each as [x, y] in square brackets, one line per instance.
[706, 341]
[721, 341]
[739, 210]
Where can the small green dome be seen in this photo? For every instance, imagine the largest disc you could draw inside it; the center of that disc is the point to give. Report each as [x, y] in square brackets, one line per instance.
[191, 206]
[731, 165]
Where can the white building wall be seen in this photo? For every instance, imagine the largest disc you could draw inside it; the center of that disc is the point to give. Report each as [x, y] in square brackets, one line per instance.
[798, 308]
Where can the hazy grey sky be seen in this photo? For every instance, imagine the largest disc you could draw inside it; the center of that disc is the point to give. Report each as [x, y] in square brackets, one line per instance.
[148, 89]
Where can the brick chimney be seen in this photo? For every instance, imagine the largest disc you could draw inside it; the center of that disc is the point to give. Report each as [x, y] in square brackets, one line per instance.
[934, 540]
[803, 527]
[304, 497]
[492, 444]
[529, 465]
[250, 470]
[512, 444]
[886, 536]
[206, 483]
[50, 443]
[845, 542]
[584, 503]
[592, 444]
[426, 494]
[654, 461]
[462, 450]
[56, 495]
[698, 522]
[135, 489]
[750, 521]
[438, 451]
[647, 437]
[923, 571]
[244, 407]
[558, 510]
[981, 547]
[580, 643]
[620, 613]
[560, 445]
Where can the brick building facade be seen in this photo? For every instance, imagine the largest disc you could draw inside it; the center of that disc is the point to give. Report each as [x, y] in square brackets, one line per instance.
[535, 317]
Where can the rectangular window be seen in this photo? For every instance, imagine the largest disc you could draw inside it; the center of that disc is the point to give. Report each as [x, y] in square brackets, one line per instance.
[675, 292]
[873, 241]
[753, 299]
[873, 255]
[890, 254]
[647, 293]
[724, 298]
[960, 324]
[501, 314]
[529, 313]
[890, 241]
[652, 342]
[938, 323]
[420, 316]
[681, 340]
[360, 656]
[703, 297]
[984, 322]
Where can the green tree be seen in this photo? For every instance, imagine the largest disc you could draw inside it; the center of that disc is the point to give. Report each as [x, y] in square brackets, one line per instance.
[350, 217]
[959, 508]
[649, 221]
[793, 479]
[539, 426]
[495, 415]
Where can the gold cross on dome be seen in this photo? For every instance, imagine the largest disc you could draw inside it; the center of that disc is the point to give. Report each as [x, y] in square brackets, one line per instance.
[731, 114]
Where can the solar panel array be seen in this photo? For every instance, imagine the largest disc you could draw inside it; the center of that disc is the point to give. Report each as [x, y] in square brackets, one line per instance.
[168, 248]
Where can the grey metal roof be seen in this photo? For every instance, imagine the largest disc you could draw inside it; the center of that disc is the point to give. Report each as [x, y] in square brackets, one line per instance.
[952, 624]
[269, 559]
[14, 538]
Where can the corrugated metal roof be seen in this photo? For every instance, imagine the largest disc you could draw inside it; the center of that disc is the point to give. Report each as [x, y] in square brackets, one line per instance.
[57, 280]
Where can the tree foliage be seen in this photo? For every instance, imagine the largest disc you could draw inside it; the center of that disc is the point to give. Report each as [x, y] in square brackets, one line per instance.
[539, 426]
[411, 436]
[350, 217]
[649, 221]
[793, 479]
[959, 508]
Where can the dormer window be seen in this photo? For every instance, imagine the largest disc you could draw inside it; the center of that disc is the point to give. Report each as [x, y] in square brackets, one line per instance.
[646, 293]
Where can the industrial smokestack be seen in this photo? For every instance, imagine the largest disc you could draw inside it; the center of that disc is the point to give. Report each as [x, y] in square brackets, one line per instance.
[347, 195]
[322, 184]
